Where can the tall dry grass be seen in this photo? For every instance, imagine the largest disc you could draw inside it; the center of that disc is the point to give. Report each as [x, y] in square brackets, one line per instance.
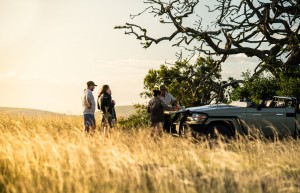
[51, 154]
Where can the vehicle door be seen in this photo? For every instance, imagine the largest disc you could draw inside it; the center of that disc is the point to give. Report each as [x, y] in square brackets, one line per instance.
[291, 121]
[297, 119]
[268, 120]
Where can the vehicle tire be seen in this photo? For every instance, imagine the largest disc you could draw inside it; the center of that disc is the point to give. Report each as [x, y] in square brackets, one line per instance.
[216, 129]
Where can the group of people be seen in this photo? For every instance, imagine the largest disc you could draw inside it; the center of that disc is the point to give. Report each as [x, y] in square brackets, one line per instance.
[104, 103]
[160, 121]
[162, 101]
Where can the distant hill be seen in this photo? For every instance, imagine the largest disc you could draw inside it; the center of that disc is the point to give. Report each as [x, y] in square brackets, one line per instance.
[125, 111]
[26, 112]
[122, 111]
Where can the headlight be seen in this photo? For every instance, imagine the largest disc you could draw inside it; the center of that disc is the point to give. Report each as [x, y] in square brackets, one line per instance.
[198, 117]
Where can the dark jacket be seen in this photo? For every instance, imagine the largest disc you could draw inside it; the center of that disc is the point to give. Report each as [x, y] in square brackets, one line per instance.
[156, 108]
[105, 104]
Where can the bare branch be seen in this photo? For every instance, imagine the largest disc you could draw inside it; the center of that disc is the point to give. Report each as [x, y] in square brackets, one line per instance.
[267, 31]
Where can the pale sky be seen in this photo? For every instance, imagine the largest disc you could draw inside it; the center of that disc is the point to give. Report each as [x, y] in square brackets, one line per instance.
[49, 49]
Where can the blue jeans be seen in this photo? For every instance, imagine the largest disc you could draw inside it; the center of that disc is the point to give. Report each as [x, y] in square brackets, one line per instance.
[89, 122]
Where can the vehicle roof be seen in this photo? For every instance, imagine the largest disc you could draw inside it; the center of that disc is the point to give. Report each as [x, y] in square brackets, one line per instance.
[212, 107]
[285, 97]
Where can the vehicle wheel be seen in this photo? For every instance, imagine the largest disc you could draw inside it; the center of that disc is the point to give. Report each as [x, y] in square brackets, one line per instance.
[214, 130]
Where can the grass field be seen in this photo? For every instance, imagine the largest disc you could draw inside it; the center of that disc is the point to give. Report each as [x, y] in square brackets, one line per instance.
[51, 154]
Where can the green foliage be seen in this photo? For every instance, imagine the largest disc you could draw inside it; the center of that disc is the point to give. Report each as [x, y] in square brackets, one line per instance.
[260, 87]
[140, 118]
[289, 86]
[264, 86]
[191, 84]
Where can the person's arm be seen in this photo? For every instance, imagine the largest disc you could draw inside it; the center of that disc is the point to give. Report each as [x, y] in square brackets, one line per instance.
[110, 103]
[98, 103]
[148, 108]
[166, 107]
[88, 100]
[173, 100]
[89, 103]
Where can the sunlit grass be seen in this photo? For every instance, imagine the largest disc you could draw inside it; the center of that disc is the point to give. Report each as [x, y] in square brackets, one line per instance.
[51, 154]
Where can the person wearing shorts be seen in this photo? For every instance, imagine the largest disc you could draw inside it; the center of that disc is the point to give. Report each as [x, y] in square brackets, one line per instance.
[89, 106]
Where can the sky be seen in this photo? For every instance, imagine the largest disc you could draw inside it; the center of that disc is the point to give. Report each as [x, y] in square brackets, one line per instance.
[49, 49]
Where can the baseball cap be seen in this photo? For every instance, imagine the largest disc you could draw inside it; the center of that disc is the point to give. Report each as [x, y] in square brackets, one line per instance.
[90, 83]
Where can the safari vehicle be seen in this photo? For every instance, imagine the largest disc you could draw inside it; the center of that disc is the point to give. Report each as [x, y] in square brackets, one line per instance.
[278, 116]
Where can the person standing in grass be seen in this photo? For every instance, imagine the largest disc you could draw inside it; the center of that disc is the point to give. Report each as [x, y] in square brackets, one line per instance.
[171, 101]
[106, 106]
[156, 108]
[89, 106]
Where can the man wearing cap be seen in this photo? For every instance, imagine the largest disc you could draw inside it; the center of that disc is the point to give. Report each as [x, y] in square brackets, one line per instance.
[88, 105]
[171, 101]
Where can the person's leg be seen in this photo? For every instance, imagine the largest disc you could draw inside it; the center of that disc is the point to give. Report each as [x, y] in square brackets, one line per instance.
[101, 122]
[89, 123]
[167, 123]
[160, 129]
[153, 128]
[105, 123]
[109, 119]
[173, 127]
[93, 123]
[86, 123]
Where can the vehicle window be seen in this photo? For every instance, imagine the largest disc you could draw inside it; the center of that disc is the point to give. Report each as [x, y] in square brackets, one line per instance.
[284, 102]
[290, 104]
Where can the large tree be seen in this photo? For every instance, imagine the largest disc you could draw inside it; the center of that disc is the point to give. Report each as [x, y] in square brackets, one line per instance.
[265, 29]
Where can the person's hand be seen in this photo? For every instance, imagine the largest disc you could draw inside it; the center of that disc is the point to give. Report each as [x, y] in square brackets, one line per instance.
[174, 108]
[113, 102]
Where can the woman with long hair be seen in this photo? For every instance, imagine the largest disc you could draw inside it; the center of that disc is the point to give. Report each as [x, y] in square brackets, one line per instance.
[106, 106]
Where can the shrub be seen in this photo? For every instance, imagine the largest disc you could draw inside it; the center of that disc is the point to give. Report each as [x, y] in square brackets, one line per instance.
[139, 119]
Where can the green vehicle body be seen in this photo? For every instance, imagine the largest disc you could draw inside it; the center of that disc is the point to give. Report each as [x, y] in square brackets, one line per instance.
[278, 117]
